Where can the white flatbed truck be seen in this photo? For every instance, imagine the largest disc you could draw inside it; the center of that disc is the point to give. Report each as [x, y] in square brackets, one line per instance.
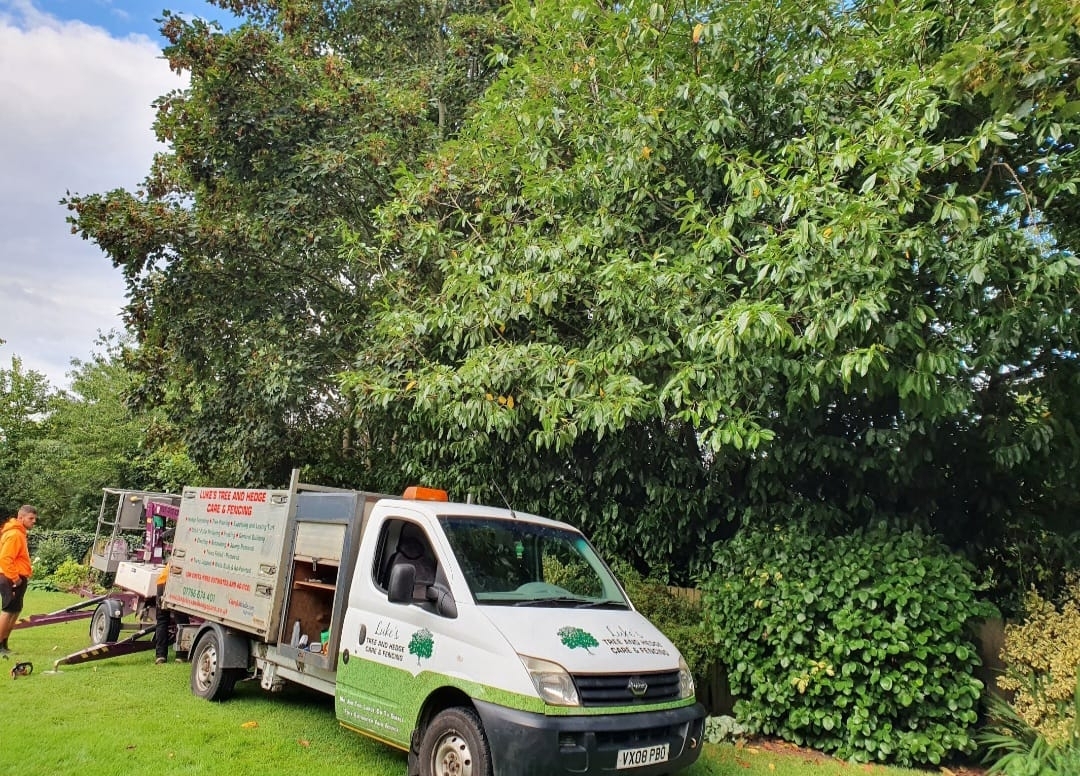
[479, 640]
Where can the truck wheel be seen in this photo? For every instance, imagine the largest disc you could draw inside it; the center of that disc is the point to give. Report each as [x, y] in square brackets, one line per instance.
[104, 627]
[454, 744]
[208, 679]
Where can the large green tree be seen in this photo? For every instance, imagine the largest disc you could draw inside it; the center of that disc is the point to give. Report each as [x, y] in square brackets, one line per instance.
[242, 298]
[697, 261]
[679, 264]
[24, 403]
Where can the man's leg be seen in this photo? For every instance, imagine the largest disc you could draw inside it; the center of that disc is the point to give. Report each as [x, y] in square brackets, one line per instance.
[10, 606]
[162, 624]
[7, 623]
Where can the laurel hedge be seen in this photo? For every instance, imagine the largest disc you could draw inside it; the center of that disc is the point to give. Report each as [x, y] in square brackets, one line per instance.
[854, 645]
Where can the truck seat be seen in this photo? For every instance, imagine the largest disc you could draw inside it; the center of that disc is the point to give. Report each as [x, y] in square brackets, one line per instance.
[413, 550]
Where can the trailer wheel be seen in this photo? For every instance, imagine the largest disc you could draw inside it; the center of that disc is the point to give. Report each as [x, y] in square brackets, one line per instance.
[208, 679]
[104, 626]
[454, 744]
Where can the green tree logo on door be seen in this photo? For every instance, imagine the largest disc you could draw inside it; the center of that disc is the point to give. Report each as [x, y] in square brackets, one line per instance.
[576, 637]
[421, 644]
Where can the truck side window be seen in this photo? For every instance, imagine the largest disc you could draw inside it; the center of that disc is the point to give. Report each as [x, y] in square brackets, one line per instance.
[404, 543]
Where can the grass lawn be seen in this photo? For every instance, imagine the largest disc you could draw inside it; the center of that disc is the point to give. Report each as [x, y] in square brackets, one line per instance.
[126, 716]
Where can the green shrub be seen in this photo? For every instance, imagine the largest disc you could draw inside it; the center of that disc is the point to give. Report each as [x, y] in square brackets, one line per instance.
[76, 543]
[50, 554]
[854, 645]
[75, 577]
[723, 729]
[681, 619]
[1041, 655]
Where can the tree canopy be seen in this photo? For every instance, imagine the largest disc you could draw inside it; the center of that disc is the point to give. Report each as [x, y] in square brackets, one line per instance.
[704, 261]
[651, 268]
[24, 400]
[244, 306]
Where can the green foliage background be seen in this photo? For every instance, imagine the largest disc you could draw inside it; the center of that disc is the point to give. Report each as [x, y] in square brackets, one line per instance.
[687, 265]
[59, 448]
[48, 549]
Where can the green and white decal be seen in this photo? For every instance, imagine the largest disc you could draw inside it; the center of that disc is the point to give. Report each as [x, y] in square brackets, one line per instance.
[421, 644]
[576, 637]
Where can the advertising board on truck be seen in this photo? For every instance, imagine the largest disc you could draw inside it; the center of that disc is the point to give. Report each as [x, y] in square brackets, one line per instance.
[227, 555]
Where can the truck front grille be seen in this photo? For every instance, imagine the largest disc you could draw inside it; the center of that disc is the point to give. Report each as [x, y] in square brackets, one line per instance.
[627, 689]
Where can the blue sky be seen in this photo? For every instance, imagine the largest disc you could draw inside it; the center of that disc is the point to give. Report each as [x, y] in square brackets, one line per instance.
[77, 82]
[127, 17]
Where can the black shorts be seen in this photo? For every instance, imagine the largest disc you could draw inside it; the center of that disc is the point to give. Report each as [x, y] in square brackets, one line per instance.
[11, 595]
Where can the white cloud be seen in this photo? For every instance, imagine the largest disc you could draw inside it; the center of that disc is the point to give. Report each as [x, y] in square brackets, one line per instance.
[75, 115]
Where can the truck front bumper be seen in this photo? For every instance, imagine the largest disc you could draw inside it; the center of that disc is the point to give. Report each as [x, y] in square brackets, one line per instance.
[527, 744]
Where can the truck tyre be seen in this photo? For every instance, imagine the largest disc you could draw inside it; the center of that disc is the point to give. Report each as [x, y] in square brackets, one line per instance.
[454, 744]
[105, 624]
[208, 679]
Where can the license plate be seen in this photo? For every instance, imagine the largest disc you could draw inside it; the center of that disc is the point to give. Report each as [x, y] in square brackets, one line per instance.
[646, 755]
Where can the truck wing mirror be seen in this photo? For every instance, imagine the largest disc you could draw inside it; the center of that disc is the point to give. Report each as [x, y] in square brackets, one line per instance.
[400, 586]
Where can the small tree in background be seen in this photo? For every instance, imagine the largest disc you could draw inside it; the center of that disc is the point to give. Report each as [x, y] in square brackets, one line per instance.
[25, 399]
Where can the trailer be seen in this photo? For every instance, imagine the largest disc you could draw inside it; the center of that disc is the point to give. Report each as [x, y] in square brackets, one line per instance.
[131, 542]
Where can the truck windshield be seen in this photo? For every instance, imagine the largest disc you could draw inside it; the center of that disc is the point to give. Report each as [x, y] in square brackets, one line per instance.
[518, 563]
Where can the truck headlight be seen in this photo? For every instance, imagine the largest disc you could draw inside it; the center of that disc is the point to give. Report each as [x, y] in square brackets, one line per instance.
[686, 680]
[552, 682]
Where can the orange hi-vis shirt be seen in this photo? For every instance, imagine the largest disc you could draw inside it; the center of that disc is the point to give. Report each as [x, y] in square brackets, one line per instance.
[14, 552]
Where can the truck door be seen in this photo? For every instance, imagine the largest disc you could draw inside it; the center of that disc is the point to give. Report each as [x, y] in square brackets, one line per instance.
[385, 667]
